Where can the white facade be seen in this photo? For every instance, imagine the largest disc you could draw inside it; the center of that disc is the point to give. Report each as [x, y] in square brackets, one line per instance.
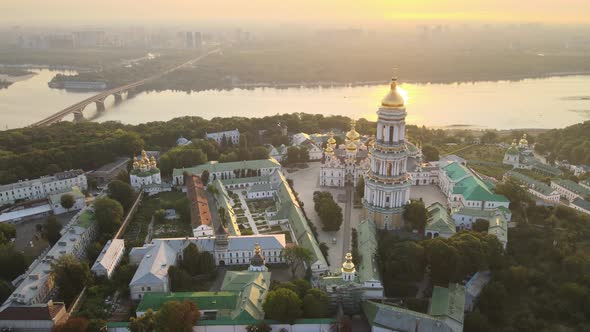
[42, 187]
[387, 184]
[145, 173]
[232, 135]
[37, 284]
[346, 163]
[203, 231]
[299, 138]
[109, 258]
[570, 190]
[315, 152]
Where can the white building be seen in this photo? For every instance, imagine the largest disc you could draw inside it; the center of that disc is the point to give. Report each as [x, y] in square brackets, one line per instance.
[315, 152]
[155, 258]
[231, 136]
[279, 153]
[181, 141]
[439, 222]
[38, 282]
[109, 258]
[464, 189]
[145, 173]
[569, 189]
[79, 201]
[299, 138]
[535, 188]
[42, 187]
[203, 231]
[346, 163]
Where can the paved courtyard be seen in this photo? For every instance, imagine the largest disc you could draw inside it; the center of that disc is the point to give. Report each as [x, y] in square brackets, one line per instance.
[429, 194]
[305, 182]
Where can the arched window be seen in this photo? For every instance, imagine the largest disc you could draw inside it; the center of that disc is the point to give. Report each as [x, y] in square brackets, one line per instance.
[390, 134]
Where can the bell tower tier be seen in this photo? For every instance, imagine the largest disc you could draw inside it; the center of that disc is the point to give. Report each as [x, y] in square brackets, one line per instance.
[387, 183]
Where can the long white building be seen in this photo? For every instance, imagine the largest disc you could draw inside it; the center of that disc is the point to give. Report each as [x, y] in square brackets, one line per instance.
[109, 258]
[231, 136]
[155, 258]
[42, 187]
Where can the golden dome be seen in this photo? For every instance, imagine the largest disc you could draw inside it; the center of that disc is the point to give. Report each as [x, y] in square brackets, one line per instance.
[523, 140]
[393, 98]
[331, 140]
[352, 135]
[351, 146]
[348, 266]
[329, 150]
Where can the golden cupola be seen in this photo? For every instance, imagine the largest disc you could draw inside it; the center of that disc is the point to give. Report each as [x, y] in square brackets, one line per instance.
[351, 146]
[353, 135]
[348, 266]
[331, 140]
[393, 99]
[523, 140]
[329, 150]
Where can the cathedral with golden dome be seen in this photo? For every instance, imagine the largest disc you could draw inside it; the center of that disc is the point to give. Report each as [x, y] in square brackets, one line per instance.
[345, 163]
[145, 173]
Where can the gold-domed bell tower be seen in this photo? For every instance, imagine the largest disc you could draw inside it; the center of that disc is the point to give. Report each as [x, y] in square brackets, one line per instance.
[387, 184]
[348, 270]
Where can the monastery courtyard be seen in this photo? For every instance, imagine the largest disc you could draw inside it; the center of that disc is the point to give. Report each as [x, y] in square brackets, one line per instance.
[305, 182]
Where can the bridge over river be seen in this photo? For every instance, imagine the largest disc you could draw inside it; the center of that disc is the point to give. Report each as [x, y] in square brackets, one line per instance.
[99, 99]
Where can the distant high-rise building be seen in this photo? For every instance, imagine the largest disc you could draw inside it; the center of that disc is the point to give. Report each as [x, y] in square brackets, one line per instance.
[89, 38]
[198, 39]
[189, 41]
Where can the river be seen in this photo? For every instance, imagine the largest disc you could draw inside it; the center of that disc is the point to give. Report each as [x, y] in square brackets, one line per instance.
[552, 102]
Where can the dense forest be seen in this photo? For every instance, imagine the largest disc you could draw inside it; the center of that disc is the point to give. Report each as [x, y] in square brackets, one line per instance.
[571, 143]
[27, 153]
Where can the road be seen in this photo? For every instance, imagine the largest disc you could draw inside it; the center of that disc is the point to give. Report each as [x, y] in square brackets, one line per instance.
[346, 233]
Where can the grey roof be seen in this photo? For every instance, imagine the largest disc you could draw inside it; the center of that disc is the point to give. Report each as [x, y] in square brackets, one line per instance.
[400, 319]
[153, 268]
[267, 242]
[582, 204]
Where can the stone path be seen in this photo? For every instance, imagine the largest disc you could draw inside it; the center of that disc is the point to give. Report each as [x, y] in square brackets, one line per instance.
[247, 213]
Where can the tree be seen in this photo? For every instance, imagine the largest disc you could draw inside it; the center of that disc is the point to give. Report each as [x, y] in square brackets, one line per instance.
[296, 256]
[301, 287]
[123, 176]
[283, 305]
[260, 327]
[315, 304]
[303, 154]
[51, 230]
[360, 188]
[145, 323]
[259, 152]
[160, 215]
[324, 249]
[122, 192]
[93, 251]
[12, 261]
[205, 177]
[475, 321]
[328, 210]
[74, 324]
[109, 215]
[191, 259]
[5, 290]
[67, 201]
[480, 225]
[7, 232]
[489, 137]
[182, 156]
[416, 214]
[443, 260]
[70, 276]
[293, 155]
[430, 153]
[175, 316]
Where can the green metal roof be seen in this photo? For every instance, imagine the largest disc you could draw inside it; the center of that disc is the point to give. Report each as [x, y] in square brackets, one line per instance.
[530, 182]
[439, 219]
[455, 171]
[512, 150]
[572, 186]
[227, 167]
[367, 246]
[448, 302]
[204, 300]
[223, 201]
[473, 189]
[477, 213]
[253, 288]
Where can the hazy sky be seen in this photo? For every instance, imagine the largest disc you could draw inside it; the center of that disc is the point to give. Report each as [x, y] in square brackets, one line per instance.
[34, 12]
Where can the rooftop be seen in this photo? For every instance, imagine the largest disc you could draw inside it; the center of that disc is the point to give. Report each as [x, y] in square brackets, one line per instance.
[582, 204]
[572, 186]
[531, 183]
[439, 219]
[448, 302]
[367, 245]
[214, 167]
